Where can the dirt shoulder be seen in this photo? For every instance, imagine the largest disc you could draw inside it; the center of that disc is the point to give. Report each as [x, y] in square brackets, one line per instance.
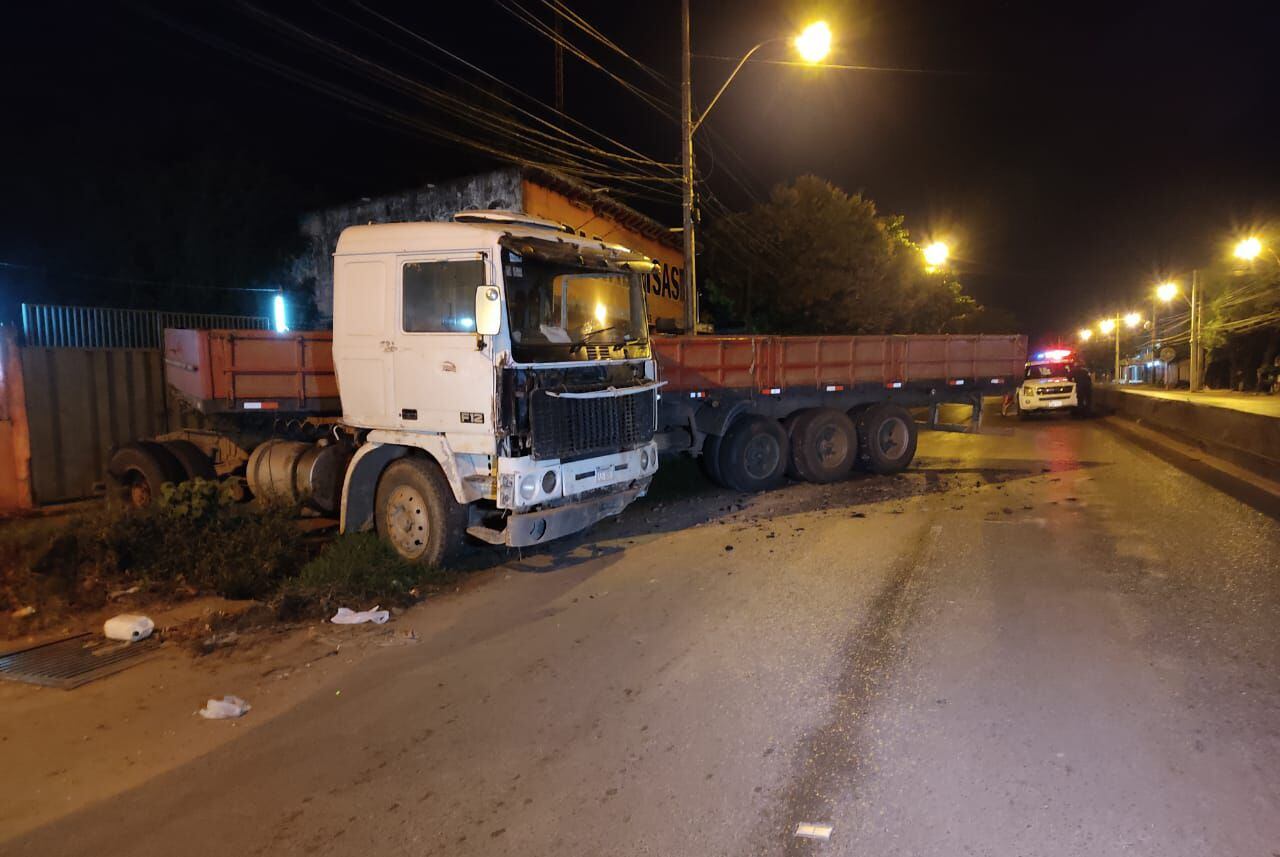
[79, 746]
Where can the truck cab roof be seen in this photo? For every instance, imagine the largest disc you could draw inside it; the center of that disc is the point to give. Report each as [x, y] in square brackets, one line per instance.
[428, 236]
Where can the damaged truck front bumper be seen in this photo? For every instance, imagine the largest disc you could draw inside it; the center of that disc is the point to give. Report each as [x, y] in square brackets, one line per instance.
[533, 528]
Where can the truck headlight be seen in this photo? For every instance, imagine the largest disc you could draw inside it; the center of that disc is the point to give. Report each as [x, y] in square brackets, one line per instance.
[548, 482]
[644, 459]
[528, 487]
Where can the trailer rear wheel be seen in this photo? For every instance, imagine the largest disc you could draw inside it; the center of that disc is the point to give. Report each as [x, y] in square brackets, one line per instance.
[416, 513]
[139, 469]
[710, 459]
[195, 464]
[753, 454]
[886, 438]
[793, 464]
[824, 445]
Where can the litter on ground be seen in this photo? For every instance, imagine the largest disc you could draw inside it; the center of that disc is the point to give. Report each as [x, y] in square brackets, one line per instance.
[805, 830]
[227, 708]
[347, 616]
[129, 627]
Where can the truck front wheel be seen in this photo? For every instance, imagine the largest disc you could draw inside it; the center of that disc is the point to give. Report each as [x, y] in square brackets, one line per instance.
[753, 454]
[416, 513]
[886, 438]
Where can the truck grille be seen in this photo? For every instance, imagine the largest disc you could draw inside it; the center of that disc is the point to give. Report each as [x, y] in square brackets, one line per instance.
[568, 429]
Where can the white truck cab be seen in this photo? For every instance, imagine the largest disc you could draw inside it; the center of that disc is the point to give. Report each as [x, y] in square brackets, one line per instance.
[1052, 382]
[499, 368]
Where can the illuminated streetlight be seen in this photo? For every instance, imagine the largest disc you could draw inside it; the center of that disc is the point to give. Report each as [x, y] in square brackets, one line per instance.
[814, 43]
[935, 255]
[1107, 325]
[1248, 249]
[1167, 291]
[1132, 319]
[1086, 334]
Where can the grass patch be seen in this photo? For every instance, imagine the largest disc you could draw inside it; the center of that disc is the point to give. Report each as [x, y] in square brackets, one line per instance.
[194, 540]
[361, 567]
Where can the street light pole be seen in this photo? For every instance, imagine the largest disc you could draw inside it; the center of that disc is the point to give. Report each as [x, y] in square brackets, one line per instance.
[813, 44]
[1115, 378]
[686, 159]
[1196, 357]
[1155, 317]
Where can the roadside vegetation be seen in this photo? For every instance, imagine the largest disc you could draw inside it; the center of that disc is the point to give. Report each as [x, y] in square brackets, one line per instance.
[194, 540]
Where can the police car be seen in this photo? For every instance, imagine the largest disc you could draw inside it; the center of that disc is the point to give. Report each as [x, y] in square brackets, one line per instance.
[1054, 381]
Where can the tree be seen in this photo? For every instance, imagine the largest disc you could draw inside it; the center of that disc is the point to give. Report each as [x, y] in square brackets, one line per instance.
[1241, 326]
[814, 259]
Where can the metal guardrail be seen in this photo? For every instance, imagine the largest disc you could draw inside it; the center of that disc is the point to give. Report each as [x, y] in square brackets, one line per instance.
[51, 326]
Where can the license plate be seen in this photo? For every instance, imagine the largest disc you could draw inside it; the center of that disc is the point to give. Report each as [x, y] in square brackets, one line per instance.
[604, 474]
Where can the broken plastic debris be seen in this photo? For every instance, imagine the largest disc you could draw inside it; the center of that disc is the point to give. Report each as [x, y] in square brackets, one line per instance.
[224, 709]
[805, 830]
[347, 616]
[130, 627]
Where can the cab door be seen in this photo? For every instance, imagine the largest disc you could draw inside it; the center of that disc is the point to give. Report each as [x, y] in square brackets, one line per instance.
[444, 379]
[363, 340]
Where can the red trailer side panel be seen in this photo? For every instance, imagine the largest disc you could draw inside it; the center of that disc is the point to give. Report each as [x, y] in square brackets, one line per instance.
[231, 370]
[760, 362]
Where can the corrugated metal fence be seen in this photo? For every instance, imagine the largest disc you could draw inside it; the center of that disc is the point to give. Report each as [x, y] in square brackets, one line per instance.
[83, 381]
[50, 326]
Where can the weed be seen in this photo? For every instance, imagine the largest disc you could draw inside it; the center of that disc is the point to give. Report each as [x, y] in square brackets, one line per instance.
[361, 567]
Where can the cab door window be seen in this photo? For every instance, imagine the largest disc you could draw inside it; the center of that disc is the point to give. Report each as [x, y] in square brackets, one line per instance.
[440, 297]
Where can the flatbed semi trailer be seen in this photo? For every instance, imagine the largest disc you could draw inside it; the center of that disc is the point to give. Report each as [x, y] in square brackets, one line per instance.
[755, 409]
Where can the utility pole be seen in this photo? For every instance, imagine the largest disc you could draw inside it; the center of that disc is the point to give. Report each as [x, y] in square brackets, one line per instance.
[686, 159]
[1115, 379]
[559, 62]
[1195, 330]
[1155, 312]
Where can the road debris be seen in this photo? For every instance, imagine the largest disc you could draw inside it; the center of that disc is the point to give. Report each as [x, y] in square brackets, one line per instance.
[129, 627]
[23, 612]
[807, 830]
[227, 708]
[347, 616]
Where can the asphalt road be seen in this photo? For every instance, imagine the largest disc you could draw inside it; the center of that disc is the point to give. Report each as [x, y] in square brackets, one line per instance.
[1052, 643]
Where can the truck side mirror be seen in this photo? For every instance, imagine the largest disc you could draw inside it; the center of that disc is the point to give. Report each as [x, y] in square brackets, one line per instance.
[488, 311]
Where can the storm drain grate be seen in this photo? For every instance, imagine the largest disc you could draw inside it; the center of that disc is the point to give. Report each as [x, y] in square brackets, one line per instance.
[73, 661]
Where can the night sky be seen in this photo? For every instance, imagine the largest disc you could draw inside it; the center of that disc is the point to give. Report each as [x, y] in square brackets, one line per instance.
[1071, 153]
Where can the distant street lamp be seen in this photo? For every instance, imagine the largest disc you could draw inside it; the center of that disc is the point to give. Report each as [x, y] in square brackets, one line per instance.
[812, 44]
[1086, 333]
[1107, 325]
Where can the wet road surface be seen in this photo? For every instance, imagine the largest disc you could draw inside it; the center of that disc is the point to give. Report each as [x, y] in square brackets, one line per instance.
[1052, 643]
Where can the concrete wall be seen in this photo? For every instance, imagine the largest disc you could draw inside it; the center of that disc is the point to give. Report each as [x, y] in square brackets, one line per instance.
[434, 202]
[1248, 440]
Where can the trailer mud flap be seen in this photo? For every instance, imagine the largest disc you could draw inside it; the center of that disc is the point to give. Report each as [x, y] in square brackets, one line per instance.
[533, 528]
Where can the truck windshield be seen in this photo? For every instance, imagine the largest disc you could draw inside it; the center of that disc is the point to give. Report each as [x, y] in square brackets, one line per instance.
[1049, 370]
[557, 308]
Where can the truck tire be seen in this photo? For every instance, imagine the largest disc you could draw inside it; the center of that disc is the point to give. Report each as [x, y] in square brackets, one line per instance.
[824, 445]
[753, 454]
[195, 464]
[139, 469]
[886, 438]
[415, 512]
[793, 464]
[710, 459]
